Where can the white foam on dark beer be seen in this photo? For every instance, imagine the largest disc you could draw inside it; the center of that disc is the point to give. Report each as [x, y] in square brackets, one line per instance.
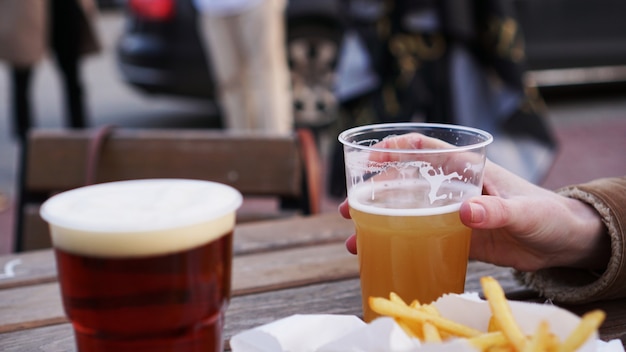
[140, 217]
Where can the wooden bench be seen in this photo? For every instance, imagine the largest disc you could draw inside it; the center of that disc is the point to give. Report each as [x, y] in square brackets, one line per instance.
[258, 165]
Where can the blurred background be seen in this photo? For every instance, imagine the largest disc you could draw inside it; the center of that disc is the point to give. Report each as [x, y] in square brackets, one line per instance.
[152, 73]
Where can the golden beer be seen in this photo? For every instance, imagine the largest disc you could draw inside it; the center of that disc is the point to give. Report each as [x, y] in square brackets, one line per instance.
[406, 245]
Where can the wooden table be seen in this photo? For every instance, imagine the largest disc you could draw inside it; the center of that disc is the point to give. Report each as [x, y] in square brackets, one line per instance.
[281, 267]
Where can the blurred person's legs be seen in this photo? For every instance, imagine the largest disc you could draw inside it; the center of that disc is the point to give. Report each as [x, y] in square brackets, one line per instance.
[263, 31]
[65, 40]
[248, 59]
[22, 116]
[227, 63]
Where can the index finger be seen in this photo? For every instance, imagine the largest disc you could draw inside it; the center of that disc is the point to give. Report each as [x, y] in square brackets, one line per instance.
[433, 154]
[409, 141]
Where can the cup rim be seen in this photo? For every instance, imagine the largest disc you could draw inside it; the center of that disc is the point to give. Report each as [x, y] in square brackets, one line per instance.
[488, 137]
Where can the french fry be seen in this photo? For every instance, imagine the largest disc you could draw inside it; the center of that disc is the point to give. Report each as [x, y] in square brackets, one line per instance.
[394, 297]
[412, 329]
[540, 341]
[502, 312]
[589, 323]
[501, 348]
[385, 307]
[430, 309]
[431, 334]
[485, 342]
[554, 342]
[493, 325]
[503, 334]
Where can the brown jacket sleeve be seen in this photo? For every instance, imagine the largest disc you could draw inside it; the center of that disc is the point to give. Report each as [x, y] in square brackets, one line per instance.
[608, 197]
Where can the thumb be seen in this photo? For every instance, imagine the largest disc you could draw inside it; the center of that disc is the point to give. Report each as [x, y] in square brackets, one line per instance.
[486, 212]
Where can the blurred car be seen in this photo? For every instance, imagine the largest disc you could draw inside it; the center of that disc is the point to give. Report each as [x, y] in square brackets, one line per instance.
[160, 52]
[109, 4]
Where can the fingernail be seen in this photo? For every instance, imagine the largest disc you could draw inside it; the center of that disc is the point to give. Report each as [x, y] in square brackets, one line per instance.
[478, 213]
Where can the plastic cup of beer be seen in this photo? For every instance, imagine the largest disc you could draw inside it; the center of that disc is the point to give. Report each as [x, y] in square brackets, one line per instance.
[145, 265]
[405, 185]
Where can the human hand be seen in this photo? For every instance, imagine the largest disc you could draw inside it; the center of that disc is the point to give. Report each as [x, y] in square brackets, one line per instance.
[521, 225]
[518, 224]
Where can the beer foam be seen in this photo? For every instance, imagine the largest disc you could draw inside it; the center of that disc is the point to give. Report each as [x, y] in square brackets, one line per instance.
[411, 198]
[371, 209]
[141, 217]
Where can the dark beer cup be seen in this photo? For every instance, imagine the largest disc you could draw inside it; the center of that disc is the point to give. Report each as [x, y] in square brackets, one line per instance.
[145, 265]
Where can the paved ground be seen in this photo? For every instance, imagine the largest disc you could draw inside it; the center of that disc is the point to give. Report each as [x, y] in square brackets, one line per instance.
[591, 130]
[592, 136]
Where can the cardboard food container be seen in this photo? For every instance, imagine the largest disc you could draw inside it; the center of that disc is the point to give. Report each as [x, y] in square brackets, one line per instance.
[346, 333]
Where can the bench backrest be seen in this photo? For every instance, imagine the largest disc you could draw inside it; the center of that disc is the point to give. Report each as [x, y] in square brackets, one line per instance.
[260, 165]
